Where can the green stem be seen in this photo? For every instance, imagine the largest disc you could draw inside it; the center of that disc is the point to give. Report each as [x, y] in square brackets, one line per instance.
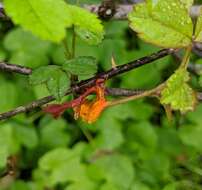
[67, 51]
[151, 92]
[74, 78]
[88, 136]
[186, 57]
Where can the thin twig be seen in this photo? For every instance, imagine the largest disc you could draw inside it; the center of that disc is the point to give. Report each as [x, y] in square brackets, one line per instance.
[122, 92]
[67, 51]
[28, 107]
[15, 68]
[152, 92]
[90, 82]
[47, 99]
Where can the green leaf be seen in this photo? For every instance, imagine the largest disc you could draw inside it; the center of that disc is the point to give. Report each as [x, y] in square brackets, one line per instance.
[118, 170]
[53, 129]
[178, 93]
[109, 186]
[143, 136]
[166, 23]
[91, 38]
[42, 74]
[72, 170]
[84, 185]
[62, 165]
[142, 110]
[27, 136]
[87, 26]
[58, 54]
[7, 92]
[58, 84]
[169, 141]
[85, 67]
[171, 186]
[195, 117]
[56, 80]
[139, 186]
[110, 137]
[3, 156]
[95, 173]
[198, 30]
[47, 20]
[40, 91]
[191, 135]
[26, 49]
[157, 166]
[3, 54]
[187, 3]
[19, 184]
[9, 143]
[51, 160]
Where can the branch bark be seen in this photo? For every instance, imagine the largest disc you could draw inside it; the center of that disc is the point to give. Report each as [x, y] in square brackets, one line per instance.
[15, 68]
[81, 86]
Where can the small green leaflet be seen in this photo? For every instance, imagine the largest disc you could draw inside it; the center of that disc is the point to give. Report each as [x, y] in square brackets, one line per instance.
[46, 19]
[198, 30]
[88, 36]
[56, 80]
[166, 23]
[178, 93]
[85, 67]
[87, 26]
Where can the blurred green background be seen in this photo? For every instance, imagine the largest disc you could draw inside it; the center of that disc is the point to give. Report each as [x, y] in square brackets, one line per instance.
[132, 146]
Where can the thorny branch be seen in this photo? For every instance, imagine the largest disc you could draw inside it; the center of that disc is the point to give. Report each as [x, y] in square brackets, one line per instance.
[81, 86]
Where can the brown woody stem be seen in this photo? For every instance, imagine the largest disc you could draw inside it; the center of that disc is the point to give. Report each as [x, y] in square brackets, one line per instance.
[81, 86]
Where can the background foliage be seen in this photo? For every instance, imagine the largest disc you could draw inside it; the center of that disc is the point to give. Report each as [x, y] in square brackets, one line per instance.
[132, 146]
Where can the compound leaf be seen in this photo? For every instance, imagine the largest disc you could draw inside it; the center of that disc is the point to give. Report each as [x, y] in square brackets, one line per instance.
[166, 23]
[178, 93]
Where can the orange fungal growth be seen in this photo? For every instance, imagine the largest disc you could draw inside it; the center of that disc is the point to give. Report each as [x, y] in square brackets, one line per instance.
[88, 110]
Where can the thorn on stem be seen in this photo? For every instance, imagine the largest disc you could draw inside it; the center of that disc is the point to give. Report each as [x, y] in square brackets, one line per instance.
[113, 62]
